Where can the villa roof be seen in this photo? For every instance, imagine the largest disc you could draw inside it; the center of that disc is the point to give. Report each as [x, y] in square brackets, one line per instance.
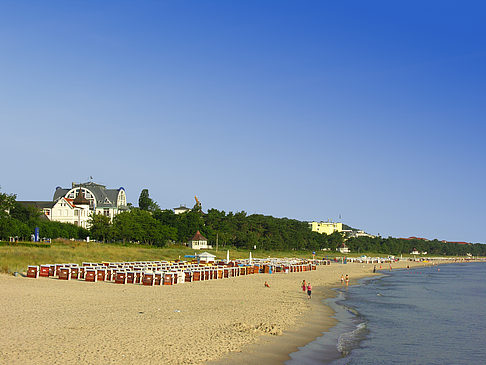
[70, 202]
[104, 197]
[198, 237]
[36, 204]
[80, 199]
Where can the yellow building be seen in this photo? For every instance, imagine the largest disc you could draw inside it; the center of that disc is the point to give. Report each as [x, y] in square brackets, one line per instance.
[326, 227]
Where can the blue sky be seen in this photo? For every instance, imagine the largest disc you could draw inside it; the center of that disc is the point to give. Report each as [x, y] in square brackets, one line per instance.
[374, 110]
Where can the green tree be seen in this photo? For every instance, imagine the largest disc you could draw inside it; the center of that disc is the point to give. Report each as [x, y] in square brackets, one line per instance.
[7, 202]
[140, 226]
[24, 213]
[146, 203]
[100, 228]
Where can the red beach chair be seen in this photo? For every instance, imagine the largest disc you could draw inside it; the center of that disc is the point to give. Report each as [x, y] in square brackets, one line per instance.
[33, 272]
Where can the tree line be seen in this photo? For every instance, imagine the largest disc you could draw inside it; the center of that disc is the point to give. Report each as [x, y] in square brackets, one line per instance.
[397, 246]
[150, 225]
[19, 221]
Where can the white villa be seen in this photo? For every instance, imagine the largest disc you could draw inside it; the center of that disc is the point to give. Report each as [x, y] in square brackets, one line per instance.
[75, 205]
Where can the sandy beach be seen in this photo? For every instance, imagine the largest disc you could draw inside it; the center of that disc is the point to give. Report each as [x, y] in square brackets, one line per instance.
[234, 320]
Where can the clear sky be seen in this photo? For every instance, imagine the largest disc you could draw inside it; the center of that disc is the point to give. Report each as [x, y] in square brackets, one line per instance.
[372, 110]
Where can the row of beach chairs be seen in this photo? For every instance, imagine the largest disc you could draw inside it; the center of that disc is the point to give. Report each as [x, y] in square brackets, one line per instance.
[157, 272]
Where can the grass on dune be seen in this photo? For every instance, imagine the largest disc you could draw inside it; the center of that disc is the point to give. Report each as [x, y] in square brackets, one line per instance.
[17, 258]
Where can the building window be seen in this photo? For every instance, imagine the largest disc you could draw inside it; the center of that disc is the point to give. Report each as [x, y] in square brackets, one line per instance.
[106, 212]
[76, 213]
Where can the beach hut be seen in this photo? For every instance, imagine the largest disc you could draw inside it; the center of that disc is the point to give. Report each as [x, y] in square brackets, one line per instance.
[74, 272]
[157, 278]
[226, 272]
[33, 272]
[90, 274]
[109, 274]
[188, 276]
[181, 277]
[100, 274]
[138, 277]
[175, 277]
[58, 267]
[130, 277]
[148, 278]
[168, 278]
[65, 273]
[121, 277]
[44, 270]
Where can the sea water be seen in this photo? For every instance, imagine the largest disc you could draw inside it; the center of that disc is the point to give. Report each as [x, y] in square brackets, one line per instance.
[424, 315]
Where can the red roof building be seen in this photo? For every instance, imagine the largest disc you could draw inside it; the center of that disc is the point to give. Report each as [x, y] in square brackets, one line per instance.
[198, 242]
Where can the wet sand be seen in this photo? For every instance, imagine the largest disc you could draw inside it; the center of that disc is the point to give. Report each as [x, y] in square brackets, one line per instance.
[235, 320]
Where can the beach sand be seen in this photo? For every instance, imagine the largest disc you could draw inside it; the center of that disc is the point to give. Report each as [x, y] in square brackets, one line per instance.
[235, 320]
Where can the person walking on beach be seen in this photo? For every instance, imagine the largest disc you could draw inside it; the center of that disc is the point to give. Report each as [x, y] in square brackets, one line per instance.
[347, 280]
[342, 279]
[374, 269]
[304, 286]
[309, 290]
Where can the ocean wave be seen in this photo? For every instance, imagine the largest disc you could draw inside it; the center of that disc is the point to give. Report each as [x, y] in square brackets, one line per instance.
[351, 310]
[350, 340]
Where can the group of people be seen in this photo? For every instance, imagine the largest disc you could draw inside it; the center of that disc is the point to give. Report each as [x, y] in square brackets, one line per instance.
[308, 287]
[345, 279]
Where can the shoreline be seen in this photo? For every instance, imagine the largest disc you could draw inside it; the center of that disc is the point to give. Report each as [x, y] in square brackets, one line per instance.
[192, 323]
[319, 320]
[277, 349]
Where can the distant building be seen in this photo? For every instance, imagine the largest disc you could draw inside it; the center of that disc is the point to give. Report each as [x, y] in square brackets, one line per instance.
[198, 242]
[357, 233]
[75, 205]
[331, 227]
[414, 238]
[415, 252]
[206, 257]
[181, 209]
[459, 243]
[343, 248]
[326, 227]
